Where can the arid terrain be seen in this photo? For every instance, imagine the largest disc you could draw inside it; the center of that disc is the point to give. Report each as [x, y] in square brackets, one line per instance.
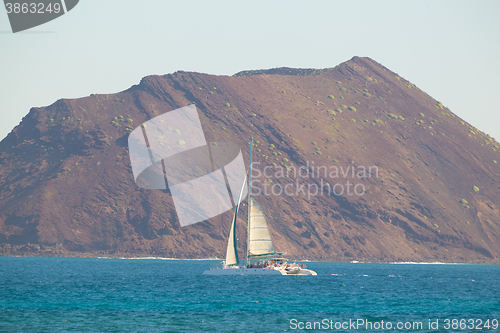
[430, 191]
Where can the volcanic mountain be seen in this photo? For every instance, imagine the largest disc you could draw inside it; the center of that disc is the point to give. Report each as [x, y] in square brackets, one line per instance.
[387, 173]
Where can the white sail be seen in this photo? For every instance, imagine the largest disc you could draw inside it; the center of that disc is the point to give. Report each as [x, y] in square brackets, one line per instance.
[232, 250]
[232, 253]
[259, 239]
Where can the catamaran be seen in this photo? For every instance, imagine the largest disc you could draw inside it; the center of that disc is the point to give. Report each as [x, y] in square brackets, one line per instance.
[261, 257]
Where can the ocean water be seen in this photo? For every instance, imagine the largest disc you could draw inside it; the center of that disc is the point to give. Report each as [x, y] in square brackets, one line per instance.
[153, 295]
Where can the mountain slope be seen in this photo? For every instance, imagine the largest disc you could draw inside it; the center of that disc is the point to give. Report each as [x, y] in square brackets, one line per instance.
[429, 192]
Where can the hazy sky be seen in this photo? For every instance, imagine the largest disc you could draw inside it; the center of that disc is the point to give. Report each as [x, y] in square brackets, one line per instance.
[449, 49]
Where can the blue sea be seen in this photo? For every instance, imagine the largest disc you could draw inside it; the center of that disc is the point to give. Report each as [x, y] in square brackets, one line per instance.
[40, 294]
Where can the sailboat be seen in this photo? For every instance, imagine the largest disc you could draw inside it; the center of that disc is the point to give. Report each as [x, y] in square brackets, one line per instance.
[261, 257]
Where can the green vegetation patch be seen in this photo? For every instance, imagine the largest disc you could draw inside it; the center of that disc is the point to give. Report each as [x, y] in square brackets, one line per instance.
[367, 94]
[331, 96]
[475, 188]
[393, 116]
[352, 108]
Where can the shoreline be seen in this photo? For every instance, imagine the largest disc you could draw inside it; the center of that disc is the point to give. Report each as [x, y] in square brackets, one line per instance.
[124, 256]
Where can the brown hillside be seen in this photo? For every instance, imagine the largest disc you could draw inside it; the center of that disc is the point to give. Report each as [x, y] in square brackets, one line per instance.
[66, 185]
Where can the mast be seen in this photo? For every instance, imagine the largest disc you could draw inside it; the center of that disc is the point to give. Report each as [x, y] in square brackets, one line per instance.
[249, 198]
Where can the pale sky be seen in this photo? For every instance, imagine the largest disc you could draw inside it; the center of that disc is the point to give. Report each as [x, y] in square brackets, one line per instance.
[449, 49]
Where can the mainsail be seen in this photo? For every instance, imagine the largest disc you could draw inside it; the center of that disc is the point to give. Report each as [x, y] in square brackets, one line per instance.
[259, 240]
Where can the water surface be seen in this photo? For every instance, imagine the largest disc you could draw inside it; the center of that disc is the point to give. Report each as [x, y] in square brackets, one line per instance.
[40, 294]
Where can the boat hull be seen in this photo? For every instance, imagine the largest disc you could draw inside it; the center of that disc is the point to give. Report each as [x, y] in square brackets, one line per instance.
[243, 271]
[301, 271]
[258, 271]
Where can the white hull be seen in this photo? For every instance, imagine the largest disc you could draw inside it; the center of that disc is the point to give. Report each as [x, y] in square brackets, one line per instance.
[259, 271]
[243, 271]
[299, 271]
